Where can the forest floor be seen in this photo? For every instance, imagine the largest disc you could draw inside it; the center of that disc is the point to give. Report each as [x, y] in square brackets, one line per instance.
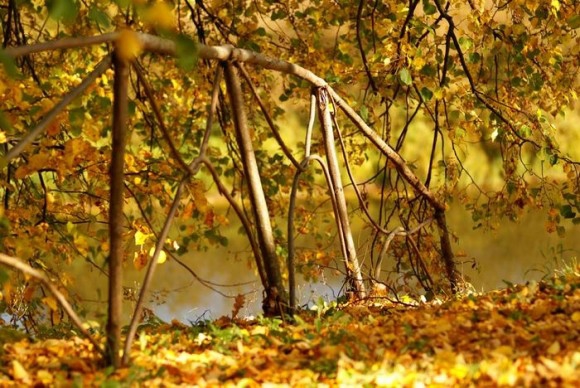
[524, 335]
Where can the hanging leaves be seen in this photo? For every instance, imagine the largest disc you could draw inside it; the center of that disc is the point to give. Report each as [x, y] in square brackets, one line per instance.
[405, 77]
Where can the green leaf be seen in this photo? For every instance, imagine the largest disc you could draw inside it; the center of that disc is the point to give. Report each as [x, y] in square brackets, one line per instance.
[537, 81]
[65, 10]
[3, 276]
[405, 77]
[460, 133]
[426, 94]
[364, 113]
[187, 52]
[76, 117]
[525, 131]
[567, 212]
[466, 43]
[9, 64]
[279, 14]
[5, 123]
[99, 17]
[429, 70]
[428, 8]
[474, 58]
[574, 21]
[516, 81]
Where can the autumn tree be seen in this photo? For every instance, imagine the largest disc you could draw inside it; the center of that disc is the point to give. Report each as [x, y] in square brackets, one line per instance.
[116, 125]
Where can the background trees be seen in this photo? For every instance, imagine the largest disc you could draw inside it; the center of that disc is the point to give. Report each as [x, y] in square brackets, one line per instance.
[459, 77]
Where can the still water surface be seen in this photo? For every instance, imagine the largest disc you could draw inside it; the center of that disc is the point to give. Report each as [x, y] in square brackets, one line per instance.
[515, 252]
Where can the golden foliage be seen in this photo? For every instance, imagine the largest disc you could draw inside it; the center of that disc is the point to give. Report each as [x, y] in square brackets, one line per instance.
[526, 335]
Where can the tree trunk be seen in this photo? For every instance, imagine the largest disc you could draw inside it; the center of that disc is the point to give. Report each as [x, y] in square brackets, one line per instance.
[120, 109]
[353, 270]
[275, 302]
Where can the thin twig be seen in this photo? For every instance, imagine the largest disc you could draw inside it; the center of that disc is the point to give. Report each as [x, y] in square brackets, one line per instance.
[159, 117]
[27, 269]
[290, 262]
[269, 120]
[398, 231]
[151, 271]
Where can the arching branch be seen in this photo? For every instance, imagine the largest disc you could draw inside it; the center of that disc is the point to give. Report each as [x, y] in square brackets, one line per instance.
[28, 270]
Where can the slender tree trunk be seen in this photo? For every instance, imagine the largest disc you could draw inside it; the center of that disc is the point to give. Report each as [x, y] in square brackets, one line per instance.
[446, 250]
[353, 270]
[276, 300]
[120, 104]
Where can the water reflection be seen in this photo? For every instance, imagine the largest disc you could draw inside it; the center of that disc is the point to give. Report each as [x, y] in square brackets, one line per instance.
[513, 252]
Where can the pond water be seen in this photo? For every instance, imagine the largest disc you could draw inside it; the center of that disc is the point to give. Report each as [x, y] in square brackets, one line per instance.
[515, 252]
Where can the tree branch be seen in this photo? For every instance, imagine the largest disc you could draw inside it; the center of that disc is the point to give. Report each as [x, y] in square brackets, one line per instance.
[74, 93]
[59, 44]
[25, 268]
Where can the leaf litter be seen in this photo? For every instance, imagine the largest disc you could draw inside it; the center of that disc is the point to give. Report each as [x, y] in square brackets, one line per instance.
[524, 335]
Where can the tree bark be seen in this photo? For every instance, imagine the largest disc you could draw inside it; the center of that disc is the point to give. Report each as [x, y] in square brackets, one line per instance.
[120, 112]
[275, 302]
[446, 250]
[353, 270]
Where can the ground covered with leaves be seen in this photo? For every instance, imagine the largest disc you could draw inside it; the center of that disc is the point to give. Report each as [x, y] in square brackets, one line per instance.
[524, 335]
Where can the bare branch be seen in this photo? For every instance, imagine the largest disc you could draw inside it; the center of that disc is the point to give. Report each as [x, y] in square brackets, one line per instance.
[370, 77]
[151, 271]
[25, 268]
[59, 44]
[159, 117]
[398, 231]
[243, 219]
[290, 262]
[269, 120]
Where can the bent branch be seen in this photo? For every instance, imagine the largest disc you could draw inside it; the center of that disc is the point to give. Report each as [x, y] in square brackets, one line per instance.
[25, 268]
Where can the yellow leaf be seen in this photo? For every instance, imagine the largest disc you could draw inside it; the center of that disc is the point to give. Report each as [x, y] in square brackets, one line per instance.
[554, 348]
[130, 163]
[18, 372]
[50, 302]
[576, 316]
[45, 377]
[74, 148]
[438, 93]
[140, 237]
[35, 163]
[161, 15]
[3, 137]
[143, 339]
[128, 45]
[162, 256]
